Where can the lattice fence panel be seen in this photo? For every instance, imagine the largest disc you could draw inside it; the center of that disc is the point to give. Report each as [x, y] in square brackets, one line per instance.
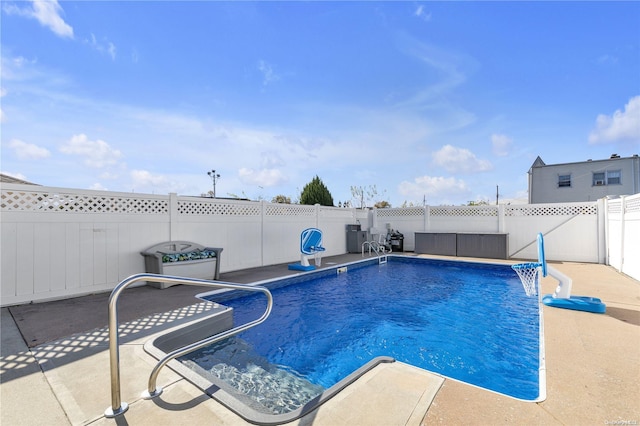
[632, 205]
[218, 209]
[552, 210]
[464, 211]
[80, 203]
[614, 207]
[404, 212]
[289, 210]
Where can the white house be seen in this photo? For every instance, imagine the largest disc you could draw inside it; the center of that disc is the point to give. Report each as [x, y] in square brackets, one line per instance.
[583, 181]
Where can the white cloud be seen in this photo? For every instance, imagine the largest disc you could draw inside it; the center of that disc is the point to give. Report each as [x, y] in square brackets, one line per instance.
[47, 12]
[432, 186]
[459, 160]
[98, 187]
[20, 68]
[501, 144]
[621, 126]
[268, 75]
[450, 70]
[109, 175]
[145, 181]
[143, 178]
[95, 153]
[422, 14]
[102, 47]
[271, 159]
[607, 59]
[3, 92]
[263, 177]
[28, 151]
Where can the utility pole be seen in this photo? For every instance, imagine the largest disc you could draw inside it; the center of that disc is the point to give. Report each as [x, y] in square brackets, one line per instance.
[496, 195]
[214, 177]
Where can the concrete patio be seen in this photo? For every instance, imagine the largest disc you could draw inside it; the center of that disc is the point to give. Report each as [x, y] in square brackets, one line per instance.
[54, 365]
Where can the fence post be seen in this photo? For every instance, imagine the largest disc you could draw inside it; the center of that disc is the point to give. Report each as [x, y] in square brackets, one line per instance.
[623, 208]
[501, 223]
[427, 218]
[374, 218]
[263, 214]
[173, 216]
[602, 230]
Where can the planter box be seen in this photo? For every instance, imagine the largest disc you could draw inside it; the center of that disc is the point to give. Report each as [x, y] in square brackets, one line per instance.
[182, 259]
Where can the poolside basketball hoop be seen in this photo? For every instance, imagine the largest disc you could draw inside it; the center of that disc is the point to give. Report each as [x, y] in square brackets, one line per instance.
[528, 273]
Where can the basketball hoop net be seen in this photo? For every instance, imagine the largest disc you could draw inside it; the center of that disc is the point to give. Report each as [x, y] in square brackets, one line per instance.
[528, 273]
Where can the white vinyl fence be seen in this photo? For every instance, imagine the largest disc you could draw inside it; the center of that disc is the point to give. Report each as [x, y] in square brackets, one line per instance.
[571, 230]
[622, 225]
[60, 243]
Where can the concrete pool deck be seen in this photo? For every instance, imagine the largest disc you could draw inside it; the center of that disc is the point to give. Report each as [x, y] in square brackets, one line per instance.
[54, 365]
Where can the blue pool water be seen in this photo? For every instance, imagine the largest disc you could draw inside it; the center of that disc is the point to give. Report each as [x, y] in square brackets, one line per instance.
[470, 322]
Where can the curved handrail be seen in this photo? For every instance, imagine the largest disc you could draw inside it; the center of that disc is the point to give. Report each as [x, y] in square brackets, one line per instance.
[153, 391]
[117, 405]
[375, 246]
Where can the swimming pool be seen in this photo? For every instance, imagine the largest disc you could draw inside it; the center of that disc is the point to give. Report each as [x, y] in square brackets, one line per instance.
[467, 321]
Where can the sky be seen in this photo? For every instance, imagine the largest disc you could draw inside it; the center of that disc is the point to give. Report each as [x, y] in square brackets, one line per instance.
[437, 102]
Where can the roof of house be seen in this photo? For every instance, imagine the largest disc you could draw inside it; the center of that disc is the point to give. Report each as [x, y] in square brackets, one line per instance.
[10, 179]
[539, 163]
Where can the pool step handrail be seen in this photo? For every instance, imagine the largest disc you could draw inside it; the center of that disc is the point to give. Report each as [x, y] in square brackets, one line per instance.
[117, 405]
[373, 246]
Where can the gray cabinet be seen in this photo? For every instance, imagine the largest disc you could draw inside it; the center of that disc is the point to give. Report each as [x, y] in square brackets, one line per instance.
[355, 238]
[493, 246]
[489, 245]
[443, 244]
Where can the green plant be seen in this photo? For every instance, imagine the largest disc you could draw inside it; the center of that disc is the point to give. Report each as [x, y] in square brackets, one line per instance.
[315, 192]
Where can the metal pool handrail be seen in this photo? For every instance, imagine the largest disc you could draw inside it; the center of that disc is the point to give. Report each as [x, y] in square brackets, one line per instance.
[378, 249]
[117, 405]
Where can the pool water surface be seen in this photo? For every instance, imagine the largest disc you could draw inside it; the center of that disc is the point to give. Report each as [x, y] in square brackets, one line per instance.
[470, 322]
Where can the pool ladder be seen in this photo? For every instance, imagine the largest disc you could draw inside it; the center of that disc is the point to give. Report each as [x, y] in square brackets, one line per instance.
[117, 405]
[378, 249]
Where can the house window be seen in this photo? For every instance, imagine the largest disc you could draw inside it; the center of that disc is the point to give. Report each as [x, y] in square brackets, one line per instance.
[564, 181]
[598, 179]
[613, 177]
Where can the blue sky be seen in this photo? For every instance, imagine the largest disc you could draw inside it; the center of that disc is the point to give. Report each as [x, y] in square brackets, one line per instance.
[441, 101]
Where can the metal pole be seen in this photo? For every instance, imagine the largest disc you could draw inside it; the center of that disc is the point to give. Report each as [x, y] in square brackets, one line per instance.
[117, 406]
[214, 177]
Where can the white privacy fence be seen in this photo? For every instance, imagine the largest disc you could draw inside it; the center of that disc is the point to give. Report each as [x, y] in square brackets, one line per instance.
[622, 227]
[571, 230]
[59, 243]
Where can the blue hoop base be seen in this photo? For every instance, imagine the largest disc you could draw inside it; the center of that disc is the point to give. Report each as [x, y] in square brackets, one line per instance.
[576, 303]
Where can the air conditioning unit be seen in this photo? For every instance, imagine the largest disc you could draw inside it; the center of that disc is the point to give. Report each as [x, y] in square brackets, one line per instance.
[599, 182]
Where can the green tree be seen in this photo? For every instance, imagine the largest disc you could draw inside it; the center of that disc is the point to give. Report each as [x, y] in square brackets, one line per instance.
[281, 199]
[315, 192]
[382, 205]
